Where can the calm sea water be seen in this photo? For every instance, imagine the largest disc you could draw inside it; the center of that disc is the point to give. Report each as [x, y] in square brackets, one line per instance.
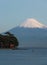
[23, 57]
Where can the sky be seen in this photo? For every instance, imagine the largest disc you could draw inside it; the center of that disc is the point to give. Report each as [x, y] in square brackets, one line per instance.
[14, 12]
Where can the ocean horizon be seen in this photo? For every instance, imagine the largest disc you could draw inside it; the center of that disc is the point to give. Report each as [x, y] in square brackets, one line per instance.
[21, 56]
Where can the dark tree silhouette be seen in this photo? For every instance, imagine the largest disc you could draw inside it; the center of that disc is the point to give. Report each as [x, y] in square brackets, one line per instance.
[8, 40]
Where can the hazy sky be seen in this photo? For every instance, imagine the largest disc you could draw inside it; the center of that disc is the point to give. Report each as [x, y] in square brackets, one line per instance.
[14, 12]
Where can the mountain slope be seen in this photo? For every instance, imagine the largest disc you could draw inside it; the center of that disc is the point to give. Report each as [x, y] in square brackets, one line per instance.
[32, 35]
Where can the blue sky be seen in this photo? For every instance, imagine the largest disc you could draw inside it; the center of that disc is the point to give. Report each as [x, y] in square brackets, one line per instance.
[14, 12]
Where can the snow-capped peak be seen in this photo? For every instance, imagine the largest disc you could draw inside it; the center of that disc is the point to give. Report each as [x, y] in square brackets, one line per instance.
[32, 23]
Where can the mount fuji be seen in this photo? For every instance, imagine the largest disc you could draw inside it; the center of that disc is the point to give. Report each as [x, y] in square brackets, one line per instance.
[31, 33]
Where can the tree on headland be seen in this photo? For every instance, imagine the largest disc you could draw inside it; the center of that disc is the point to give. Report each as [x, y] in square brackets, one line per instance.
[9, 40]
[12, 38]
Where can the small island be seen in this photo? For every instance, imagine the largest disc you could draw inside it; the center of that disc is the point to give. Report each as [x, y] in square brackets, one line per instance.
[8, 40]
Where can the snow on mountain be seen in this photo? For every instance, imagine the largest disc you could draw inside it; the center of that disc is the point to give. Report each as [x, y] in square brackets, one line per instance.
[31, 33]
[32, 23]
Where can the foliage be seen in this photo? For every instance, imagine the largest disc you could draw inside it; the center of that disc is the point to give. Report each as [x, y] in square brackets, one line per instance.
[8, 39]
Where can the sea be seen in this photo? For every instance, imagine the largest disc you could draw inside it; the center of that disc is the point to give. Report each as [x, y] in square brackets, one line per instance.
[21, 56]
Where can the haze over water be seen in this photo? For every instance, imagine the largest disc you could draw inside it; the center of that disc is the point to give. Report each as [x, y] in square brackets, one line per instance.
[23, 57]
